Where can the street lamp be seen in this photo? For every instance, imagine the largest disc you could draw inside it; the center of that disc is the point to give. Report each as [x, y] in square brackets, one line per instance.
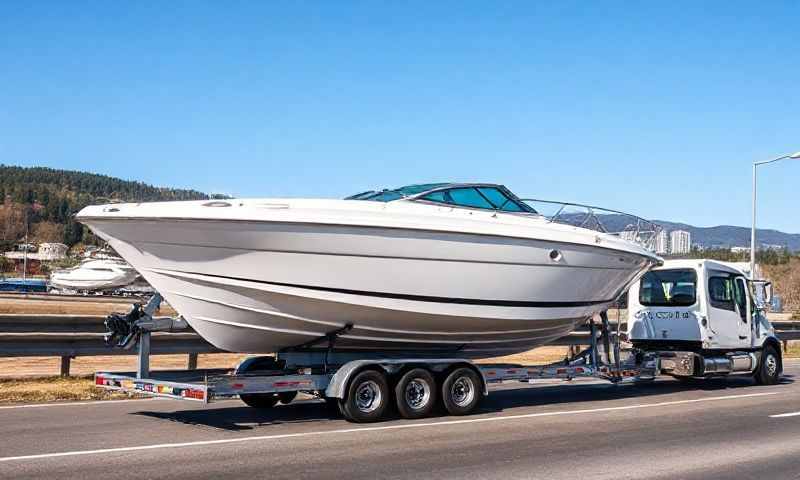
[795, 156]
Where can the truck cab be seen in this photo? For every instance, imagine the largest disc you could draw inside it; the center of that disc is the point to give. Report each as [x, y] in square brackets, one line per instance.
[704, 318]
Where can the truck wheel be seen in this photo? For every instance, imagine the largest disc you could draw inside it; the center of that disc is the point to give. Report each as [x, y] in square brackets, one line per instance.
[461, 391]
[367, 397]
[259, 400]
[416, 394]
[287, 397]
[768, 372]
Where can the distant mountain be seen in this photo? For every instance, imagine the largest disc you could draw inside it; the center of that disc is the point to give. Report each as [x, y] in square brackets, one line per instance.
[723, 236]
[43, 201]
[731, 236]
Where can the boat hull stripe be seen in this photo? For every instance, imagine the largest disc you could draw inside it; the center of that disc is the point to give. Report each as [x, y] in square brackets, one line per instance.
[416, 298]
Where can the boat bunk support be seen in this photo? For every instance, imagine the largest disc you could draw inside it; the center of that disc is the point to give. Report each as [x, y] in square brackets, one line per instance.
[330, 337]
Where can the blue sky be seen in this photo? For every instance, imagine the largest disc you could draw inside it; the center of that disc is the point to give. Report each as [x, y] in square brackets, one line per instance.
[653, 107]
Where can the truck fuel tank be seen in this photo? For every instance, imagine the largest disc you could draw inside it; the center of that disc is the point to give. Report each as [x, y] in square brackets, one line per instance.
[691, 364]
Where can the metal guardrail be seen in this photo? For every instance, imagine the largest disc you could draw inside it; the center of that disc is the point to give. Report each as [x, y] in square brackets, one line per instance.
[49, 297]
[69, 336]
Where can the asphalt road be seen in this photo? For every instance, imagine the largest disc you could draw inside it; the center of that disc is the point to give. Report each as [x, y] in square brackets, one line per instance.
[728, 429]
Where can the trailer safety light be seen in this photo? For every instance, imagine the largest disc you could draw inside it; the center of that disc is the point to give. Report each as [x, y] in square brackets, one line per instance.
[98, 380]
[192, 393]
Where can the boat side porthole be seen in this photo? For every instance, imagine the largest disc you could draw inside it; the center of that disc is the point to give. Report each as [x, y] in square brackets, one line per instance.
[555, 255]
[216, 204]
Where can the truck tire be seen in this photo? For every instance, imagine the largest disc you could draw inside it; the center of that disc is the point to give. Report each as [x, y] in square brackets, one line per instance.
[367, 397]
[461, 391]
[769, 368]
[415, 394]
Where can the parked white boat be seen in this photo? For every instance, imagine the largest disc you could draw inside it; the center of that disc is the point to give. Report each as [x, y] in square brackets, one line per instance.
[94, 275]
[443, 268]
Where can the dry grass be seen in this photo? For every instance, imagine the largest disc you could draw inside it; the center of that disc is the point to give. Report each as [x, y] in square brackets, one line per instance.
[793, 351]
[99, 307]
[53, 389]
[537, 356]
[786, 283]
[16, 367]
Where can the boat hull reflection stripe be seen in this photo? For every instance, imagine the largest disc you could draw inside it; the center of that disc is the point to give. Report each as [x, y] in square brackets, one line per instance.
[417, 298]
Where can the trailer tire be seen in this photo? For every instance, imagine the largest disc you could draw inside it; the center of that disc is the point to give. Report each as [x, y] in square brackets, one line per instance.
[259, 400]
[287, 397]
[461, 391]
[368, 396]
[415, 394]
[252, 365]
[769, 368]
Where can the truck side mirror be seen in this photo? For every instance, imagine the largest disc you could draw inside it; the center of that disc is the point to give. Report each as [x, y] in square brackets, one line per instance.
[762, 293]
[768, 293]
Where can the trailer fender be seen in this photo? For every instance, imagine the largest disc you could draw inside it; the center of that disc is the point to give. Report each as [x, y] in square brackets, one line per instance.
[337, 388]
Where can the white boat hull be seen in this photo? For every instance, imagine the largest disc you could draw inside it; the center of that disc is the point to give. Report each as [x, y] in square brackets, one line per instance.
[263, 286]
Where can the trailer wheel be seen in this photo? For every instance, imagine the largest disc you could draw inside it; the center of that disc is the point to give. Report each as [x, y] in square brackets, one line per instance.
[259, 400]
[367, 397]
[769, 369]
[254, 364]
[415, 394]
[461, 391]
[287, 397]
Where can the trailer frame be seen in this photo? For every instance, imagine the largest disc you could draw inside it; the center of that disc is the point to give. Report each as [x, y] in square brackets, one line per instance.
[327, 373]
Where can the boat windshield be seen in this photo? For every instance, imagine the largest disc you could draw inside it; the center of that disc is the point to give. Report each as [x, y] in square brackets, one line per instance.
[387, 195]
[487, 197]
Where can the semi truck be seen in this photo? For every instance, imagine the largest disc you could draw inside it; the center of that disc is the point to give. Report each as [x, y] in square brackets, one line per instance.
[687, 319]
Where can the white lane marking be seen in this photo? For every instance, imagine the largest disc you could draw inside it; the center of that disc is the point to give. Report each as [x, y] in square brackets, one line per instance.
[784, 415]
[73, 404]
[375, 429]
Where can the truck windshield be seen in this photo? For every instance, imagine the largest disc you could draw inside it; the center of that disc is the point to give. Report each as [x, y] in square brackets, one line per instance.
[668, 288]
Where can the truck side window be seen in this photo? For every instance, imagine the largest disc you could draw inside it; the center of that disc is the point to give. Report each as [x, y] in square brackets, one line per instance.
[740, 293]
[720, 292]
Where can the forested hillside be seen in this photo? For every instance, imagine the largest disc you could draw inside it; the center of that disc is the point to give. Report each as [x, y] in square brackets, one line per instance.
[45, 199]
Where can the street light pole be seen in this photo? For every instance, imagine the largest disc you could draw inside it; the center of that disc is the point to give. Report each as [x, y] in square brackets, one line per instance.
[795, 156]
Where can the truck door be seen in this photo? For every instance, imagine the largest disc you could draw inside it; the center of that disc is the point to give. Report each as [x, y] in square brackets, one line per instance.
[744, 309]
[723, 314]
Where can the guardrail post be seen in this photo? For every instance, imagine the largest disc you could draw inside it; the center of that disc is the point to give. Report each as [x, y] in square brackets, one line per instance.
[192, 362]
[65, 362]
[143, 359]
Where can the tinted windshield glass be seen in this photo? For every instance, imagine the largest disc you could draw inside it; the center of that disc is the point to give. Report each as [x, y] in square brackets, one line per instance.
[500, 200]
[668, 288]
[389, 195]
[469, 197]
[489, 198]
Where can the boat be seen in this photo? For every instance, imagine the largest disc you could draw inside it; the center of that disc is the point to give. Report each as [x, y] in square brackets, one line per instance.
[23, 285]
[94, 275]
[441, 268]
